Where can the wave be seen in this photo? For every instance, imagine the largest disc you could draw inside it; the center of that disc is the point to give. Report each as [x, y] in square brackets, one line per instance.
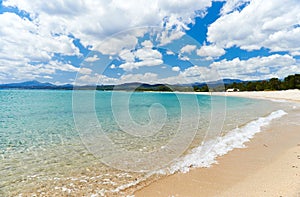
[279, 100]
[206, 154]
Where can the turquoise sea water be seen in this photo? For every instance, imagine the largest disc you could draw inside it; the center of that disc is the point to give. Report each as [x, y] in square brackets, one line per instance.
[49, 144]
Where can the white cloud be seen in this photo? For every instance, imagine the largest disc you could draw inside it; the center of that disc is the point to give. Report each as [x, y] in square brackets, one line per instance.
[252, 69]
[56, 65]
[115, 44]
[113, 66]
[92, 59]
[47, 33]
[127, 55]
[191, 75]
[270, 24]
[188, 48]
[232, 5]
[168, 52]
[91, 21]
[129, 66]
[26, 51]
[148, 77]
[148, 54]
[200, 74]
[85, 71]
[147, 44]
[95, 79]
[176, 68]
[184, 58]
[212, 51]
[285, 40]
[257, 67]
[14, 70]
[145, 56]
[23, 39]
[168, 36]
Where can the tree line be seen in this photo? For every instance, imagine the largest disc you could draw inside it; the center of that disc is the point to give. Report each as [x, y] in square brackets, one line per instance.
[289, 82]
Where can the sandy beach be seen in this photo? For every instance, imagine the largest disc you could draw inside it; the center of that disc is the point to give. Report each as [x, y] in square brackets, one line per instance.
[288, 95]
[269, 166]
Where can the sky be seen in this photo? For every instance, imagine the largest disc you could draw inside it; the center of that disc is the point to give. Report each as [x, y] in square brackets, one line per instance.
[157, 41]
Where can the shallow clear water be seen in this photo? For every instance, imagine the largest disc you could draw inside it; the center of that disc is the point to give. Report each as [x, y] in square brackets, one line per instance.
[50, 145]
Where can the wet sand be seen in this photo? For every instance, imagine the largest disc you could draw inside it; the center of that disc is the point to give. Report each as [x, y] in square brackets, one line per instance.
[269, 166]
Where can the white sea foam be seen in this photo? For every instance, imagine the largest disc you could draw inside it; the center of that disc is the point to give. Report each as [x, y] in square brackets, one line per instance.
[279, 100]
[206, 154]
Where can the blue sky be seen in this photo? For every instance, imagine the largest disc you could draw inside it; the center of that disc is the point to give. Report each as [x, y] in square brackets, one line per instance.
[160, 41]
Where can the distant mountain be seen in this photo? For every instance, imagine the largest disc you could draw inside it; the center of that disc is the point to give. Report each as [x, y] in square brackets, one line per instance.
[34, 85]
[230, 81]
[126, 86]
[27, 84]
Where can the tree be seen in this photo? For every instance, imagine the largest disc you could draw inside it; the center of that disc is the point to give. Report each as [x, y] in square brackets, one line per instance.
[250, 86]
[274, 84]
[297, 81]
[259, 87]
[204, 88]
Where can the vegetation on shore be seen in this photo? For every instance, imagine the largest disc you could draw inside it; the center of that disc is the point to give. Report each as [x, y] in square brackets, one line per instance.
[289, 82]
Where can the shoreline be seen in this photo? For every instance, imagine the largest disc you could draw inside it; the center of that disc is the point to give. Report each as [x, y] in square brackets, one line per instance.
[269, 166]
[283, 95]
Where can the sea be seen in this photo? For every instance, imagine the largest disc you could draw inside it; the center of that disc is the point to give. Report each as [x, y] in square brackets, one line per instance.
[111, 143]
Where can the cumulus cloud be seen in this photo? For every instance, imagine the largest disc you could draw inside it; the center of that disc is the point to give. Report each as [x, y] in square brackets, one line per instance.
[54, 25]
[148, 77]
[113, 66]
[269, 24]
[176, 68]
[14, 70]
[129, 66]
[22, 38]
[92, 59]
[252, 69]
[140, 58]
[91, 21]
[114, 45]
[85, 71]
[170, 33]
[24, 48]
[147, 54]
[210, 51]
[147, 44]
[188, 48]
[257, 67]
[56, 65]
[191, 75]
[95, 79]
[168, 52]
[232, 5]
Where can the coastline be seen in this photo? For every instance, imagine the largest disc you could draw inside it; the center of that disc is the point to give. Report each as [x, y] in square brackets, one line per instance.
[269, 166]
[284, 95]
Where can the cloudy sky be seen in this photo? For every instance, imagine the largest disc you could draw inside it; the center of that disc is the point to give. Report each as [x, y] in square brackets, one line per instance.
[157, 41]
